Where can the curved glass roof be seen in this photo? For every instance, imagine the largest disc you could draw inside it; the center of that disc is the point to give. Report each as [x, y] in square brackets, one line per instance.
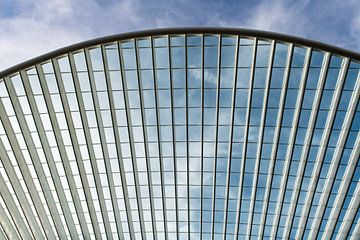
[182, 136]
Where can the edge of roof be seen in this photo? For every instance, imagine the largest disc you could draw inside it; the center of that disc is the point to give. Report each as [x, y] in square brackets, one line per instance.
[184, 30]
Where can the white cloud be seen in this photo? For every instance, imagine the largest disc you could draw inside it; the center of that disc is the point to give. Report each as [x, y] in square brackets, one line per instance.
[39, 27]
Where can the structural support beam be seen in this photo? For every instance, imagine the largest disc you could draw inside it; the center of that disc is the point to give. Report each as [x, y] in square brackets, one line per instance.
[25, 172]
[132, 146]
[291, 143]
[19, 192]
[260, 140]
[356, 232]
[62, 150]
[174, 141]
[48, 154]
[89, 141]
[337, 156]
[54, 214]
[233, 101]
[77, 152]
[246, 133]
[161, 159]
[306, 148]
[351, 211]
[121, 137]
[276, 140]
[106, 154]
[146, 144]
[19, 222]
[351, 167]
[5, 224]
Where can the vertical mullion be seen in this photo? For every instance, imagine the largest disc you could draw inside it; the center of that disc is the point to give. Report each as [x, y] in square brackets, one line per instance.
[62, 150]
[202, 134]
[306, 148]
[50, 160]
[7, 226]
[25, 172]
[159, 135]
[19, 195]
[54, 214]
[337, 156]
[350, 169]
[260, 139]
[100, 127]
[246, 131]
[291, 143]
[232, 115]
[276, 137]
[77, 152]
[116, 210]
[2, 233]
[187, 136]
[173, 138]
[216, 138]
[103, 141]
[17, 219]
[132, 147]
[350, 214]
[353, 205]
[146, 146]
[356, 232]
[119, 152]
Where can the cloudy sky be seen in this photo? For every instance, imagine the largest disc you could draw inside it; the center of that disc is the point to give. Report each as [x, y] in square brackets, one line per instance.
[29, 28]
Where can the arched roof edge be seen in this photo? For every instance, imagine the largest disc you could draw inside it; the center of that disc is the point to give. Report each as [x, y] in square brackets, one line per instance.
[185, 30]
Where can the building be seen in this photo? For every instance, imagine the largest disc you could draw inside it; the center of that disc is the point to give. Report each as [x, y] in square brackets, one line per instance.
[182, 134]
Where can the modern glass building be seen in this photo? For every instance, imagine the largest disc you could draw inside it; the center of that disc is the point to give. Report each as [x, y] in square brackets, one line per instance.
[182, 134]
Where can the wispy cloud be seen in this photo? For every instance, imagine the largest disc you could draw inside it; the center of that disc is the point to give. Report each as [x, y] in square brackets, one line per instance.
[31, 28]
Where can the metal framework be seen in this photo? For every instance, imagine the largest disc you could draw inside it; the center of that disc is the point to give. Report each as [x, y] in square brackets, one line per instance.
[198, 133]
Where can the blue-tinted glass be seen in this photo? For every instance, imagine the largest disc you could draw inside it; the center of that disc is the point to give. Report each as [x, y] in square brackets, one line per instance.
[129, 58]
[298, 57]
[351, 78]
[243, 78]
[245, 56]
[262, 55]
[160, 41]
[177, 41]
[245, 149]
[178, 57]
[194, 40]
[162, 57]
[194, 78]
[316, 59]
[228, 56]
[335, 61]
[211, 40]
[194, 57]
[211, 56]
[260, 77]
[145, 58]
[280, 57]
[313, 78]
[277, 77]
[331, 79]
[295, 78]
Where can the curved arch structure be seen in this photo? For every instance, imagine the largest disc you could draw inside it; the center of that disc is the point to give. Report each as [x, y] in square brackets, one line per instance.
[198, 133]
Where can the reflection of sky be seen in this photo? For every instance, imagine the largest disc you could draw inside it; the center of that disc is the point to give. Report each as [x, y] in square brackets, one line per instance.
[211, 123]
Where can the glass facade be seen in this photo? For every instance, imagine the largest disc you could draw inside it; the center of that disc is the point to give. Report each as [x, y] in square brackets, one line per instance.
[182, 136]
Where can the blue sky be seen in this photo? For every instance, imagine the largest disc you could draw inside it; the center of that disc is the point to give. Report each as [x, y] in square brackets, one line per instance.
[30, 28]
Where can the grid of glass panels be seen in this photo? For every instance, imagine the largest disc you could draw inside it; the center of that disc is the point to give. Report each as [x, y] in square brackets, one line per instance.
[182, 136]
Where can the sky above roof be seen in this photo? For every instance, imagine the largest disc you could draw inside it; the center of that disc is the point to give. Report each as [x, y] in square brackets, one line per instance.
[29, 28]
